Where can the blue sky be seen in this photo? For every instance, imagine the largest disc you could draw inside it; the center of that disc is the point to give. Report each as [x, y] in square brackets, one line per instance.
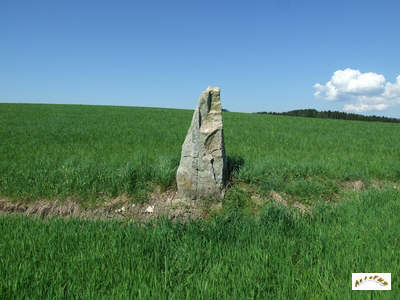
[265, 55]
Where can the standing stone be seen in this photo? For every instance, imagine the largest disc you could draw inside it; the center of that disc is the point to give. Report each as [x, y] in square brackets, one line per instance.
[202, 170]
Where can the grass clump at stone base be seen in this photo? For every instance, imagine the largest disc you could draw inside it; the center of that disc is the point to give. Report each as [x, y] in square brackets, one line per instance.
[277, 255]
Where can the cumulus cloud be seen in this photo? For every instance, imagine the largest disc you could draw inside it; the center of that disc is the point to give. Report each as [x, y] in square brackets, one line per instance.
[364, 91]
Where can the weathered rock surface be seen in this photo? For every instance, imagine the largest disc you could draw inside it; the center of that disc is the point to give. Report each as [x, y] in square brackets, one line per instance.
[202, 169]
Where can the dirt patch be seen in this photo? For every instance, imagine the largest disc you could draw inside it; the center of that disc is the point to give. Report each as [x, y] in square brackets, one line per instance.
[280, 199]
[354, 185]
[381, 184]
[277, 197]
[47, 208]
[162, 203]
[374, 183]
[159, 204]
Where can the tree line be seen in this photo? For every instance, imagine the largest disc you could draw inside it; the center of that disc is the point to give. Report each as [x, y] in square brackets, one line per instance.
[313, 113]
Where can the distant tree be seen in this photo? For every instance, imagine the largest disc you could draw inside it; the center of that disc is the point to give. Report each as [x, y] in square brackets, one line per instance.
[225, 110]
[313, 113]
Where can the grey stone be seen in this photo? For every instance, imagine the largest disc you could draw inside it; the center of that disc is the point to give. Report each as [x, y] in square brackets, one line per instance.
[202, 169]
[150, 209]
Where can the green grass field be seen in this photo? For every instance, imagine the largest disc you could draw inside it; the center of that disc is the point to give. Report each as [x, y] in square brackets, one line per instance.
[273, 256]
[92, 153]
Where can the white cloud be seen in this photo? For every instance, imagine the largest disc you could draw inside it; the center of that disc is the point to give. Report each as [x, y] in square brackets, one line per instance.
[364, 91]
[392, 90]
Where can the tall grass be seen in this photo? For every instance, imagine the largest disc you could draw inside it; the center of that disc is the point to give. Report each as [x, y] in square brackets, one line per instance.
[275, 256]
[83, 151]
[52, 151]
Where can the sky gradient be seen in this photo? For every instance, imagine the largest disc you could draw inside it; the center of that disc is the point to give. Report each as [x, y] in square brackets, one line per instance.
[265, 55]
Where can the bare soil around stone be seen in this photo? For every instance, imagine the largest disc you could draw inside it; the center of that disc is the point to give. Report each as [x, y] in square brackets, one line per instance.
[159, 204]
[162, 203]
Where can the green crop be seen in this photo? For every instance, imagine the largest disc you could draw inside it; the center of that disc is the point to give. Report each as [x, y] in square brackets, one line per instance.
[92, 152]
[277, 255]
[98, 152]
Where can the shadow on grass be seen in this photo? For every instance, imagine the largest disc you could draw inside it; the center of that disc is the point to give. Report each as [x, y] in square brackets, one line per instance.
[234, 163]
